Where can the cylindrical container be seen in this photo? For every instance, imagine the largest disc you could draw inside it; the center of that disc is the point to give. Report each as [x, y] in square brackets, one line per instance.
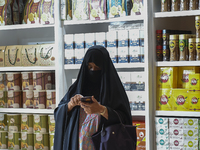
[51, 122]
[3, 99]
[27, 141]
[184, 5]
[4, 140]
[27, 81]
[42, 81]
[197, 48]
[51, 99]
[3, 84]
[175, 5]
[174, 47]
[14, 122]
[14, 140]
[166, 34]
[197, 26]
[39, 99]
[51, 141]
[14, 99]
[28, 99]
[41, 141]
[183, 47]
[192, 49]
[159, 40]
[40, 123]
[13, 81]
[53, 80]
[193, 4]
[27, 123]
[159, 53]
[165, 5]
[3, 122]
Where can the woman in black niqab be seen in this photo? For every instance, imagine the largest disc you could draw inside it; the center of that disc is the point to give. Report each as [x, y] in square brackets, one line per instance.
[107, 89]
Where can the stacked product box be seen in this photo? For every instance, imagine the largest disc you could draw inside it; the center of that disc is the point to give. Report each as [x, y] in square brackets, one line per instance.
[141, 135]
[79, 47]
[111, 37]
[100, 38]
[69, 49]
[162, 133]
[3, 131]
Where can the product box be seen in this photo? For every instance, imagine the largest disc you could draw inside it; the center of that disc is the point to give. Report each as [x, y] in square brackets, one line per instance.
[141, 145]
[113, 53]
[69, 56]
[175, 132]
[141, 56]
[137, 105]
[136, 95]
[79, 41]
[161, 122]
[162, 143]
[111, 37]
[183, 75]
[180, 100]
[141, 134]
[46, 12]
[176, 143]
[13, 55]
[194, 82]
[134, 53]
[80, 10]
[190, 144]
[116, 8]
[125, 79]
[191, 133]
[97, 10]
[3, 80]
[190, 123]
[176, 123]
[123, 54]
[123, 38]
[134, 37]
[63, 11]
[89, 40]
[162, 132]
[69, 40]
[164, 99]
[79, 54]
[138, 8]
[194, 97]
[47, 54]
[2, 51]
[138, 81]
[100, 38]
[167, 77]
[141, 40]
[30, 55]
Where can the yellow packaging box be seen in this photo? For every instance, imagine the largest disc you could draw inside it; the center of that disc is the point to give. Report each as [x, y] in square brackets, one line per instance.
[30, 54]
[2, 51]
[167, 77]
[164, 98]
[180, 100]
[183, 76]
[13, 56]
[194, 97]
[194, 81]
[47, 55]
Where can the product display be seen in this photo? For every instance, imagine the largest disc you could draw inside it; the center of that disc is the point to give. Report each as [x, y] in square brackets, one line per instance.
[46, 12]
[5, 13]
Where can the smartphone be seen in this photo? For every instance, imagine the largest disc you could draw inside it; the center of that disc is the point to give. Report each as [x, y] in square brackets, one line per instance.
[87, 99]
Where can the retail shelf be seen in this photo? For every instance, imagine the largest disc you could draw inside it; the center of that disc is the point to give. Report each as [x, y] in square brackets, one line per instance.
[178, 63]
[178, 113]
[177, 14]
[123, 65]
[119, 19]
[138, 113]
[24, 26]
[35, 68]
[27, 111]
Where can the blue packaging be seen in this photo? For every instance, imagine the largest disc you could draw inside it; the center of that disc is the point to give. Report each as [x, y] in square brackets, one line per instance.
[123, 55]
[69, 56]
[141, 54]
[134, 52]
[123, 38]
[101, 39]
[134, 37]
[111, 37]
[79, 54]
[89, 40]
[69, 40]
[113, 53]
[79, 41]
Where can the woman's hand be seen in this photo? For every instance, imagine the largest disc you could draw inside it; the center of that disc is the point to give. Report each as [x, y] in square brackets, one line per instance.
[74, 101]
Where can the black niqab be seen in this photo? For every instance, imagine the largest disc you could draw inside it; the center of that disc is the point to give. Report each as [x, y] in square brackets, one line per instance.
[109, 92]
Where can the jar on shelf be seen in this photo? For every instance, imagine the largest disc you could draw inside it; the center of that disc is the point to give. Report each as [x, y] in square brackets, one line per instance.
[192, 49]
[159, 39]
[197, 26]
[183, 47]
[174, 47]
[197, 48]
[175, 5]
[159, 53]
[184, 5]
[193, 4]
[165, 5]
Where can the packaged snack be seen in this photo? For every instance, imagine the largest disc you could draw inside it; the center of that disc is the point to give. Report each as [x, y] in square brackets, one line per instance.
[194, 82]
[5, 13]
[46, 12]
[47, 55]
[194, 97]
[167, 77]
[2, 51]
[80, 10]
[190, 123]
[164, 99]
[138, 7]
[190, 133]
[116, 8]
[97, 9]
[190, 144]
[176, 143]
[180, 100]
[176, 123]
[175, 132]
[161, 122]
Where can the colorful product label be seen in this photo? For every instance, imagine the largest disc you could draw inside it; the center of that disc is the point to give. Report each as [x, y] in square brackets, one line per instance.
[164, 99]
[194, 81]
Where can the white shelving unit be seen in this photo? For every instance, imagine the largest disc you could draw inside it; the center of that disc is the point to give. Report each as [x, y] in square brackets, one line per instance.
[35, 68]
[178, 113]
[177, 63]
[176, 14]
[26, 111]
[138, 113]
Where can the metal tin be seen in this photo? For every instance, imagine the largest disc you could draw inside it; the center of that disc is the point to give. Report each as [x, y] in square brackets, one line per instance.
[51, 99]
[51, 122]
[197, 26]
[27, 81]
[27, 123]
[192, 49]
[28, 99]
[40, 123]
[51, 141]
[13, 81]
[174, 47]
[14, 140]
[27, 141]
[39, 99]
[41, 141]
[14, 122]
[3, 99]
[197, 48]
[3, 140]
[3, 122]
[42, 80]
[14, 99]
[3, 84]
